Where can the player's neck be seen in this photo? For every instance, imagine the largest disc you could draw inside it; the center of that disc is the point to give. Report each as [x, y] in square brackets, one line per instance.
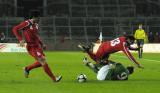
[32, 21]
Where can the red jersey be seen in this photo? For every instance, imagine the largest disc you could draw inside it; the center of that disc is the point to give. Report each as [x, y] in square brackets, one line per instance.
[118, 44]
[108, 47]
[30, 32]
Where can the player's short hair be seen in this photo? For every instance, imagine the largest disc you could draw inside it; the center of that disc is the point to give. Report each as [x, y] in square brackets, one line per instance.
[34, 14]
[130, 69]
[131, 37]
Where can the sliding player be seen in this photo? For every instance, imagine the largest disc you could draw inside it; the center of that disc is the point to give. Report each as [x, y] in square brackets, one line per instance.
[110, 71]
[29, 29]
[106, 48]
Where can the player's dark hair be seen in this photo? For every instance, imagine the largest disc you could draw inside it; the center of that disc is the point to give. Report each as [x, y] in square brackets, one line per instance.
[34, 14]
[130, 69]
[131, 37]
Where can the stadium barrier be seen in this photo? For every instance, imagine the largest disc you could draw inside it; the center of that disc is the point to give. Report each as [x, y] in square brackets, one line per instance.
[151, 48]
[11, 47]
[14, 47]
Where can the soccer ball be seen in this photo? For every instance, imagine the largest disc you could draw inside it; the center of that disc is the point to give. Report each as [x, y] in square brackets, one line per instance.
[82, 78]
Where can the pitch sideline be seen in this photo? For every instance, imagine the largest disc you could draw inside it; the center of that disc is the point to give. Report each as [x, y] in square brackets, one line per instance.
[149, 60]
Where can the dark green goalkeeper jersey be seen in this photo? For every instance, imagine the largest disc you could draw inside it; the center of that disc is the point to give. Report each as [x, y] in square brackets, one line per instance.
[119, 72]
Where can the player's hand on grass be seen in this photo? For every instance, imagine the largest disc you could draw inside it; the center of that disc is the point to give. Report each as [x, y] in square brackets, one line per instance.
[85, 60]
[22, 43]
[44, 47]
[139, 66]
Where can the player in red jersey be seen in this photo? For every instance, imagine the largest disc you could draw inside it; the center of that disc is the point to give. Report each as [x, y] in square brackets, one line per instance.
[108, 47]
[29, 29]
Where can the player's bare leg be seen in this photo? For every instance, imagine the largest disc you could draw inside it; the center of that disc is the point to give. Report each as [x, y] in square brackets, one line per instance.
[26, 72]
[30, 67]
[140, 51]
[83, 48]
[87, 50]
[48, 70]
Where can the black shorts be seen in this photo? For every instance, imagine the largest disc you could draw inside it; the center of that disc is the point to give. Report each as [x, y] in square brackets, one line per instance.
[140, 42]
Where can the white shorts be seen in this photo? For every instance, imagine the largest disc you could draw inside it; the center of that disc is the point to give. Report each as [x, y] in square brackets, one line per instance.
[102, 73]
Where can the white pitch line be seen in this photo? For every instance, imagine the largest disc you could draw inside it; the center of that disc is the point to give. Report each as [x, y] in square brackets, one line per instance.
[151, 60]
[158, 61]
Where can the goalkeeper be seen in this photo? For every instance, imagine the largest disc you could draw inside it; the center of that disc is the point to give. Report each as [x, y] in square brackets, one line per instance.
[110, 71]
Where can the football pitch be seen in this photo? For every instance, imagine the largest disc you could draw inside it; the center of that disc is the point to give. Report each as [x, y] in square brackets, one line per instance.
[69, 65]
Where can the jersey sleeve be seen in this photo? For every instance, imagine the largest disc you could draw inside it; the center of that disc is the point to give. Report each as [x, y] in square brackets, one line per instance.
[129, 55]
[144, 35]
[135, 34]
[39, 40]
[18, 28]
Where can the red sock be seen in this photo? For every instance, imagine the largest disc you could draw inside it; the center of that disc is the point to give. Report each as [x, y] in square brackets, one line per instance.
[48, 71]
[34, 65]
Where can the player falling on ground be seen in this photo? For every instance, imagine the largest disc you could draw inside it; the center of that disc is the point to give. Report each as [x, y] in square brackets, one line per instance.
[29, 29]
[106, 48]
[110, 71]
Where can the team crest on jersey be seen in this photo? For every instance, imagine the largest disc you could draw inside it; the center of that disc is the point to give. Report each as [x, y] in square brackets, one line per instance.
[38, 54]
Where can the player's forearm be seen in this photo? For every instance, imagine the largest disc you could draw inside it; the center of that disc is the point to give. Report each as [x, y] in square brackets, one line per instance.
[92, 67]
[135, 35]
[129, 55]
[18, 28]
[41, 43]
[144, 37]
[39, 40]
[133, 60]
[15, 31]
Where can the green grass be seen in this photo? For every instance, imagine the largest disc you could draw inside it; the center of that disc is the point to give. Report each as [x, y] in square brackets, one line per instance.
[69, 64]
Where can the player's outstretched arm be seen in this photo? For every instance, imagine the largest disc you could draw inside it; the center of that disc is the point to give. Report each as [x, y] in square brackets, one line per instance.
[129, 55]
[22, 43]
[41, 43]
[90, 65]
[139, 66]
[18, 28]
